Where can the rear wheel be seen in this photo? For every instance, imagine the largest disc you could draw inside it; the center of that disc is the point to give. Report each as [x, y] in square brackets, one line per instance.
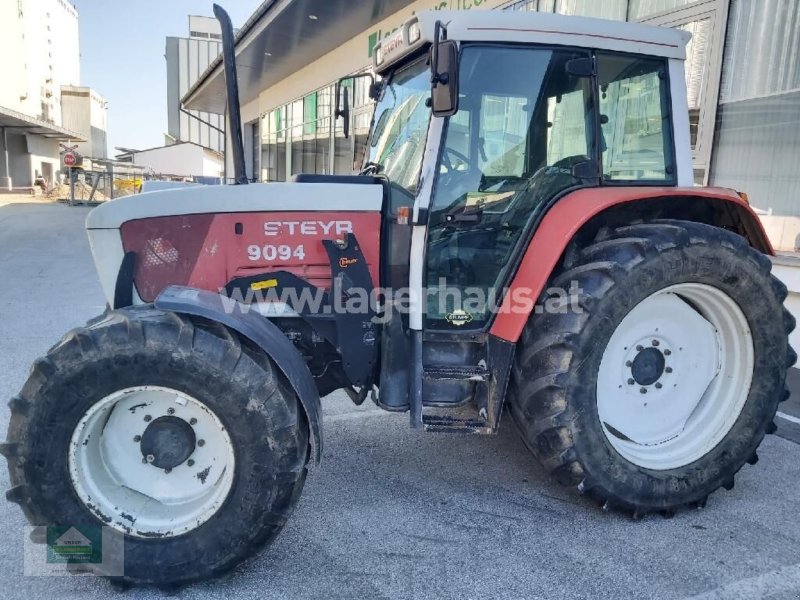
[174, 433]
[662, 384]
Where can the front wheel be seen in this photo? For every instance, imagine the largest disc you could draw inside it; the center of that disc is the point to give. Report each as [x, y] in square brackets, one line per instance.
[173, 433]
[660, 387]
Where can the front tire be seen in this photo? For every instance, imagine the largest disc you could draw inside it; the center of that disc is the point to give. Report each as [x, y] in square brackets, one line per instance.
[662, 385]
[173, 432]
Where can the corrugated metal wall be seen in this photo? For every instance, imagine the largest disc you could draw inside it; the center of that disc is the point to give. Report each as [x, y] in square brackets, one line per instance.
[757, 146]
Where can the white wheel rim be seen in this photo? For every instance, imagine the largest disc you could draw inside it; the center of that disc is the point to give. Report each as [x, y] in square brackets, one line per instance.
[708, 359]
[114, 479]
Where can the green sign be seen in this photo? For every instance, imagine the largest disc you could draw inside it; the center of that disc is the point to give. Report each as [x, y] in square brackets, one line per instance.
[377, 36]
[75, 544]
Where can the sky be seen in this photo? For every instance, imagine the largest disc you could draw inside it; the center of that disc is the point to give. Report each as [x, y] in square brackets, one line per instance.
[122, 58]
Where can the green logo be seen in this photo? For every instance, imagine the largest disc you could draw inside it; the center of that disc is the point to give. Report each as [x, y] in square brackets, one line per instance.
[75, 544]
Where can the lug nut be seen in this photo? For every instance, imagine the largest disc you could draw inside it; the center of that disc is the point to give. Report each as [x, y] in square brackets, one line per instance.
[192, 421]
[629, 364]
[144, 460]
[639, 348]
[656, 343]
[631, 381]
[168, 470]
[190, 462]
[659, 386]
[668, 370]
[147, 418]
[201, 442]
[149, 458]
[667, 352]
[643, 390]
[137, 438]
[170, 411]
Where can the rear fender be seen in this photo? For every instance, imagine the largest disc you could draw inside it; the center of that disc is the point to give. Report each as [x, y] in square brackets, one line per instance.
[576, 211]
[264, 334]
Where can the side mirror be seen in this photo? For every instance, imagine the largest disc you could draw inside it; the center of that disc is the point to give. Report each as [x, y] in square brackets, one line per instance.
[444, 74]
[343, 107]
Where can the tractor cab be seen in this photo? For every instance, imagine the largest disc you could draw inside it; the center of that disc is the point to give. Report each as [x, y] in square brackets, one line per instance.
[479, 128]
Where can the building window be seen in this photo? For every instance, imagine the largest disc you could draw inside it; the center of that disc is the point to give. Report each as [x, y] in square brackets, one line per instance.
[608, 9]
[757, 147]
[642, 9]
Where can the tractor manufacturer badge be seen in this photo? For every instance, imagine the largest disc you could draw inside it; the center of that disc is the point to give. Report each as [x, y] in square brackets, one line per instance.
[346, 262]
[459, 318]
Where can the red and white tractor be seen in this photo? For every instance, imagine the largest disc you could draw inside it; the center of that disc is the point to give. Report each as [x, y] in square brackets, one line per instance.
[524, 234]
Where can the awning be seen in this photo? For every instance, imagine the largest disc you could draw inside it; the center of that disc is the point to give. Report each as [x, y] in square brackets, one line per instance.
[282, 37]
[22, 123]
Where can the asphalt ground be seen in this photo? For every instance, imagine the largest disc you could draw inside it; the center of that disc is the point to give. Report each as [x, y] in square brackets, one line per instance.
[396, 513]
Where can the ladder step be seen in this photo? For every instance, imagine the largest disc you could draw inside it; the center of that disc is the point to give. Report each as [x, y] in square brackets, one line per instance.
[445, 424]
[456, 373]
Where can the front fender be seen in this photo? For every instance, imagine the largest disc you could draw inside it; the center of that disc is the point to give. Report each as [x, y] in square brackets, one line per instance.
[260, 331]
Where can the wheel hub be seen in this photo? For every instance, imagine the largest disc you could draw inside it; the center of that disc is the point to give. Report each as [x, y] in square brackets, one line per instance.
[120, 440]
[674, 376]
[648, 366]
[168, 442]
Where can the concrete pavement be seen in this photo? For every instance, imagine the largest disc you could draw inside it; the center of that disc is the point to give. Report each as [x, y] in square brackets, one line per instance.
[395, 513]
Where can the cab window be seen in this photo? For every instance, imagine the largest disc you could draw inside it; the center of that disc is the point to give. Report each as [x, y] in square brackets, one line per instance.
[523, 123]
[634, 118]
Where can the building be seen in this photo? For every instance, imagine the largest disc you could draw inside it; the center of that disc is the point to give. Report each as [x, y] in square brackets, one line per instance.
[39, 42]
[182, 160]
[86, 112]
[187, 59]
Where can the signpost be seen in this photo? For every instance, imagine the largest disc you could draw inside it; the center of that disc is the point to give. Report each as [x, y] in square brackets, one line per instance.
[70, 159]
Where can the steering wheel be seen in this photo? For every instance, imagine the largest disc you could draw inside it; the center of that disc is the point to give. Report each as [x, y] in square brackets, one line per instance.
[447, 162]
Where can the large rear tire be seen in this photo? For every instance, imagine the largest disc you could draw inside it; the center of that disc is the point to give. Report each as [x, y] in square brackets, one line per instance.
[661, 386]
[175, 433]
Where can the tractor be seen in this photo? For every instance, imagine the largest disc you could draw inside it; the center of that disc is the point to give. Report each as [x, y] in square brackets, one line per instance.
[523, 236]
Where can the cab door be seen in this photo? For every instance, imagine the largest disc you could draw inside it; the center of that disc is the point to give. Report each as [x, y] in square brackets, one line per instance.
[523, 136]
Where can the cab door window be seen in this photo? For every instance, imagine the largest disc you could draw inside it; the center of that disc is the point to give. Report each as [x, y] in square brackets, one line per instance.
[523, 123]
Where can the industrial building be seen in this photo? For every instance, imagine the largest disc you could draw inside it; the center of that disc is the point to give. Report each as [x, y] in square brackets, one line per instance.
[39, 42]
[187, 58]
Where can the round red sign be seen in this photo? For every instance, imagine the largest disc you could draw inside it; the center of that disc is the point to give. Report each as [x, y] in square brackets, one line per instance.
[70, 160]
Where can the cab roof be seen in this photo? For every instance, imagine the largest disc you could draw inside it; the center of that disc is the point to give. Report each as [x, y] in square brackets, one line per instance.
[550, 29]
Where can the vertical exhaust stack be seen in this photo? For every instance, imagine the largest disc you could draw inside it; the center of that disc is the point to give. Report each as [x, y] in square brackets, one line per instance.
[232, 84]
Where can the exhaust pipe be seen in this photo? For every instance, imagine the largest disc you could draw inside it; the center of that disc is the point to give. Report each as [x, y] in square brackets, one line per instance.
[232, 85]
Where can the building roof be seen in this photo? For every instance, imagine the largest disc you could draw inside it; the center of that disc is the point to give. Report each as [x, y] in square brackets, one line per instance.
[127, 153]
[12, 119]
[282, 37]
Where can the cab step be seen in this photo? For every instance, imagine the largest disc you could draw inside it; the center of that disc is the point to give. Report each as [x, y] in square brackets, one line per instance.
[447, 424]
[456, 373]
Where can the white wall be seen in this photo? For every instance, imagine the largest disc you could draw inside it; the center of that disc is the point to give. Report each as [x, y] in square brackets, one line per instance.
[183, 160]
[49, 53]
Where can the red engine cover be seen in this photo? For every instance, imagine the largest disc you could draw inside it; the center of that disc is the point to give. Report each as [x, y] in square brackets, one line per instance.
[206, 251]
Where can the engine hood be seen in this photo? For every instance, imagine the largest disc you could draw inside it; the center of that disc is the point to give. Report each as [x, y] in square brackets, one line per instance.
[264, 197]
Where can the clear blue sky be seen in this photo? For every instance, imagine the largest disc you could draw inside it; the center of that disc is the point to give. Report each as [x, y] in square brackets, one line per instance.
[122, 58]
